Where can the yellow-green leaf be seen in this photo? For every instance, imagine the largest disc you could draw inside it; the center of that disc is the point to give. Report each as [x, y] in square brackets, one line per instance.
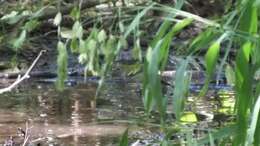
[67, 33]
[62, 62]
[19, 41]
[189, 117]
[77, 29]
[102, 36]
[57, 19]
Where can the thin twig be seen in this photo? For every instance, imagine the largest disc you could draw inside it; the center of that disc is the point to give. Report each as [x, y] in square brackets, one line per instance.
[25, 76]
[26, 137]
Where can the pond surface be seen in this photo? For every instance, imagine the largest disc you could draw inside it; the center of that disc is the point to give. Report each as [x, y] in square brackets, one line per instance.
[74, 117]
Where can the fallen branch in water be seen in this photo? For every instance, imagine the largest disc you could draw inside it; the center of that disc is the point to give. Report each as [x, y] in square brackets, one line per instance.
[25, 76]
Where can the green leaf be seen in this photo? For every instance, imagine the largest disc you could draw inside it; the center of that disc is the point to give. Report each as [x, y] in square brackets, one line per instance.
[211, 58]
[67, 33]
[102, 36]
[137, 19]
[77, 30]
[211, 61]
[123, 42]
[166, 24]
[244, 77]
[253, 124]
[91, 44]
[121, 27]
[211, 139]
[180, 25]
[93, 34]
[38, 13]
[109, 48]
[57, 19]
[202, 40]
[155, 61]
[152, 83]
[168, 39]
[10, 15]
[161, 32]
[92, 55]
[62, 62]
[82, 46]
[124, 139]
[188, 117]
[83, 58]
[19, 41]
[74, 45]
[230, 75]
[31, 25]
[181, 89]
[75, 13]
[249, 15]
[137, 52]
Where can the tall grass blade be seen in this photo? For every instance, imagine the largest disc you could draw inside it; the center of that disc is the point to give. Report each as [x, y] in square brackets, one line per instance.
[20, 40]
[62, 62]
[211, 139]
[257, 132]
[201, 41]
[253, 124]
[153, 77]
[137, 19]
[181, 89]
[243, 91]
[166, 24]
[211, 58]
[124, 139]
[156, 59]
[168, 40]
[244, 75]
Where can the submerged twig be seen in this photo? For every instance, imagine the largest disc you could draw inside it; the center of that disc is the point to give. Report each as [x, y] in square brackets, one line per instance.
[27, 136]
[25, 76]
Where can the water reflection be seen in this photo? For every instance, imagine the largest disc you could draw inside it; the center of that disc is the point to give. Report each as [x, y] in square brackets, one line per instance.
[68, 117]
[73, 117]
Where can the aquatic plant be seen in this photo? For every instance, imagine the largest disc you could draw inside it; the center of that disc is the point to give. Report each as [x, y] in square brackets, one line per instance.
[236, 33]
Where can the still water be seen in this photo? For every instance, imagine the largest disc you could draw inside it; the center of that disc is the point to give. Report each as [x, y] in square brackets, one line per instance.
[71, 117]
[75, 117]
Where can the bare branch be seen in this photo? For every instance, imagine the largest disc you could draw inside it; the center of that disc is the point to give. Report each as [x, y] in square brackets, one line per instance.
[50, 13]
[25, 76]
